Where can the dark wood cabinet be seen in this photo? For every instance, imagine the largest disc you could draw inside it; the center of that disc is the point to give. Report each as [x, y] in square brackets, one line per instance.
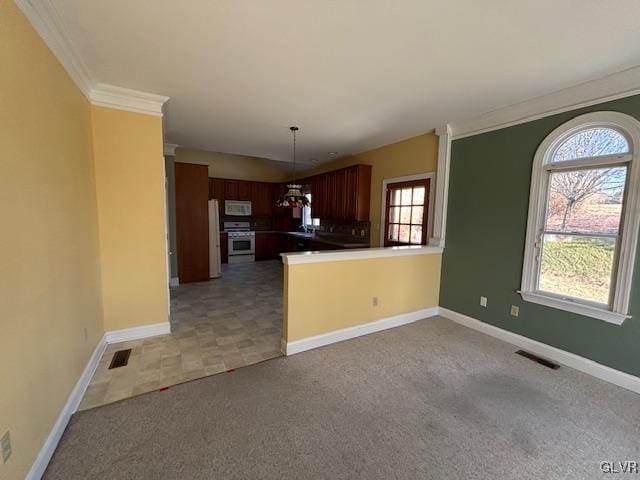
[244, 190]
[231, 190]
[261, 201]
[267, 245]
[216, 189]
[192, 221]
[342, 194]
[224, 248]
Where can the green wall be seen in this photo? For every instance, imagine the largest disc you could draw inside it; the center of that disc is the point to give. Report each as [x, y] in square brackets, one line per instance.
[486, 227]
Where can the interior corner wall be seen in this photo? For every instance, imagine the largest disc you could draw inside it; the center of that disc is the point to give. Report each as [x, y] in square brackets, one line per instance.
[130, 191]
[407, 157]
[51, 317]
[487, 215]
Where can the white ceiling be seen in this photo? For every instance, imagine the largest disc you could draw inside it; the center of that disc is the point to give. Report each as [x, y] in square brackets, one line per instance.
[352, 74]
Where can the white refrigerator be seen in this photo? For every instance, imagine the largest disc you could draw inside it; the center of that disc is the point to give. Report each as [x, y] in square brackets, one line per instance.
[214, 240]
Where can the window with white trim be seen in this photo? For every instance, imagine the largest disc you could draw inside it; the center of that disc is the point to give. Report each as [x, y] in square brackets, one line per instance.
[583, 221]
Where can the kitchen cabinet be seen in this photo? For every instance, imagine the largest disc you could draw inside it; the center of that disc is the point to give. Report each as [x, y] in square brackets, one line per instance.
[261, 201]
[224, 248]
[192, 221]
[267, 244]
[244, 190]
[341, 194]
[231, 190]
[216, 189]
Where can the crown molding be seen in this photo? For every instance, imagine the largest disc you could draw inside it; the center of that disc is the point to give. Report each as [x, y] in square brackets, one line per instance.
[47, 22]
[104, 95]
[170, 149]
[617, 85]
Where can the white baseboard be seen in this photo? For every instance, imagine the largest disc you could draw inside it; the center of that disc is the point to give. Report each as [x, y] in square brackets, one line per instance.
[608, 374]
[137, 333]
[50, 444]
[309, 343]
[174, 282]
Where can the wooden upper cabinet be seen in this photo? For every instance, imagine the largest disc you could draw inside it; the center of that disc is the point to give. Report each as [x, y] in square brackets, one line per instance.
[231, 190]
[342, 194]
[261, 199]
[216, 189]
[244, 190]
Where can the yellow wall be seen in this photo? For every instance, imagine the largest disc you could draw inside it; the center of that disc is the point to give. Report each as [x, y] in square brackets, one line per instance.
[238, 167]
[131, 214]
[49, 262]
[408, 157]
[324, 297]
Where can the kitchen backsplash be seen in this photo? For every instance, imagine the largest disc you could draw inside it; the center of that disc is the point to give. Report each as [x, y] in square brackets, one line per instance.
[349, 230]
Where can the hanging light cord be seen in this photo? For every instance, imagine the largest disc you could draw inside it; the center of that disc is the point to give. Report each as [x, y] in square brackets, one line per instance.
[294, 129]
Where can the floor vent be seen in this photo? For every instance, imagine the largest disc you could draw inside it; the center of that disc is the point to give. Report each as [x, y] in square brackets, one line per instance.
[120, 358]
[537, 359]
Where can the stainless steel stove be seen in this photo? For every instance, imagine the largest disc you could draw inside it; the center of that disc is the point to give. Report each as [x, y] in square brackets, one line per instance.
[242, 242]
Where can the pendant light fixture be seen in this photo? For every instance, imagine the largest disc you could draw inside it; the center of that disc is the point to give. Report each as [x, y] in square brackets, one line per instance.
[293, 197]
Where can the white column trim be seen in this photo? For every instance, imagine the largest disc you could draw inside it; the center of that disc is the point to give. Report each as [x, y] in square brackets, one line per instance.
[442, 186]
[170, 149]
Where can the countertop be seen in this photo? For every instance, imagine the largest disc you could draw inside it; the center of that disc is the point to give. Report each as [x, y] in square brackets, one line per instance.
[321, 238]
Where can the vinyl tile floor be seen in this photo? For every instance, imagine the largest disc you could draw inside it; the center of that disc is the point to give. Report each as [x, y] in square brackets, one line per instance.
[216, 326]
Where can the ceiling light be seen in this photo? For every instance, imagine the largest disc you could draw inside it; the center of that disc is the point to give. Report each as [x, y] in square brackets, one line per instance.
[293, 197]
[333, 154]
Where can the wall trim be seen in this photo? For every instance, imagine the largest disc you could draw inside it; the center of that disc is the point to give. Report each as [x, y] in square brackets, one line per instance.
[121, 98]
[584, 365]
[296, 258]
[442, 186]
[46, 452]
[408, 178]
[46, 21]
[611, 87]
[309, 343]
[48, 448]
[136, 333]
[170, 149]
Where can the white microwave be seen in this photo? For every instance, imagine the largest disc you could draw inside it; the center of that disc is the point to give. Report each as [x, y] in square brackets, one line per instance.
[237, 208]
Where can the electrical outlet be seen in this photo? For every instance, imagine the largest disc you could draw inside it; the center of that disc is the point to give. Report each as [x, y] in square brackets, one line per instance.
[362, 233]
[353, 232]
[5, 446]
[515, 310]
[483, 301]
[375, 301]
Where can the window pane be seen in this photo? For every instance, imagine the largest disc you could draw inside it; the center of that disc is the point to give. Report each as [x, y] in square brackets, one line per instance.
[416, 234]
[393, 232]
[404, 233]
[394, 215]
[418, 196]
[579, 267]
[586, 201]
[416, 215]
[405, 215]
[406, 196]
[593, 142]
[395, 197]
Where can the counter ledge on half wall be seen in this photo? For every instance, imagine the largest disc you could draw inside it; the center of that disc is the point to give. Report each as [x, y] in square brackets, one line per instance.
[296, 258]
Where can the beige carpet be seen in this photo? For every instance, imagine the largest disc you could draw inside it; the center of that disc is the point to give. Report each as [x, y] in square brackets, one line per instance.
[431, 400]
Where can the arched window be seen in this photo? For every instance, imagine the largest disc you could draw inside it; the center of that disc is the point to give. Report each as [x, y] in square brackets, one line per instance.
[584, 215]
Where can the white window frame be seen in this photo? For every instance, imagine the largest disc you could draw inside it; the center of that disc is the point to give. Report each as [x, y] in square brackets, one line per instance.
[629, 225]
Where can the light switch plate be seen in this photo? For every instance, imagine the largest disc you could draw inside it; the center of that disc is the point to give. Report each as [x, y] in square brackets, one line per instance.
[515, 310]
